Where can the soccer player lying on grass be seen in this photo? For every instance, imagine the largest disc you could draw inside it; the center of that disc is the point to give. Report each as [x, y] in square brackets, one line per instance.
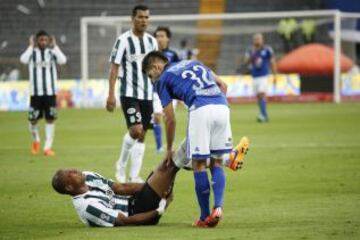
[100, 202]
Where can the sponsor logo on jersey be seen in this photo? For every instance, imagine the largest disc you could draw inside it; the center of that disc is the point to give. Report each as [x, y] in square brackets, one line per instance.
[131, 110]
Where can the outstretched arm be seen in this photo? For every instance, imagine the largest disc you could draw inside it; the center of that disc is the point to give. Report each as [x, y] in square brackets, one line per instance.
[222, 85]
[141, 218]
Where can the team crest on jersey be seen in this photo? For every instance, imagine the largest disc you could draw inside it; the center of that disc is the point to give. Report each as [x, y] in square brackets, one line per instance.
[130, 110]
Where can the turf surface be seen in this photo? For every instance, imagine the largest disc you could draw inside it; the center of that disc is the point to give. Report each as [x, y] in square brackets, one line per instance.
[301, 179]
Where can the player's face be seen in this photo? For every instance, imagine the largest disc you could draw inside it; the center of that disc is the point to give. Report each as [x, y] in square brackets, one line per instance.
[162, 39]
[155, 71]
[74, 177]
[258, 40]
[141, 20]
[43, 41]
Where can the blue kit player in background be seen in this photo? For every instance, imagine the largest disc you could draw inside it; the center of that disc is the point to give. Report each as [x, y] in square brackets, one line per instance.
[163, 37]
[261, 58]
[209, 131]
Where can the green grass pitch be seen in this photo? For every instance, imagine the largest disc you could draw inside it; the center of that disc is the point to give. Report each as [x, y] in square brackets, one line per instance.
[301, 178]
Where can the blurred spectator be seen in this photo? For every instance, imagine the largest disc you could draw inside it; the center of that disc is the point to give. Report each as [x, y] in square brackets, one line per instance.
[186, 53]
[308, 30]
[287, 29]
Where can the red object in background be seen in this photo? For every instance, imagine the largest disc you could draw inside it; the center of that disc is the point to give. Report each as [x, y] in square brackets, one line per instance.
[312, 59]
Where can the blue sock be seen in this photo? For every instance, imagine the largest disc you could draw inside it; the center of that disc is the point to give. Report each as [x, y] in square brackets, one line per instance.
[262, 106]
[157, 135]
[218, 185]
[202, 188]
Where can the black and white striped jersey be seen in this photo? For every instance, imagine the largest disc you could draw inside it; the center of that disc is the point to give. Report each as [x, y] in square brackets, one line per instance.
[129, 51]
[42, 69]
[99, 206]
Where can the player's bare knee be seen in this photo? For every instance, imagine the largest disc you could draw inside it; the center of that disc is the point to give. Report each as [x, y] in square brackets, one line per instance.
[199, 165]
[137, 132]
[157, 118]
[216, 162]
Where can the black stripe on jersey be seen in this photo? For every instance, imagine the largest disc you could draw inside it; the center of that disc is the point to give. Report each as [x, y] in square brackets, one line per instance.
[52, 74]
[142, 45]
[114, 53]
[135, 79]
[100, 214]
[34, 73]
[43, 71]
[151, 41]
[132, 46]
[92, 224]
[105, 199]
[123, 80]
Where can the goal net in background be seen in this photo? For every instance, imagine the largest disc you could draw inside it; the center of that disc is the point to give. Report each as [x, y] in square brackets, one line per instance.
[220, 41]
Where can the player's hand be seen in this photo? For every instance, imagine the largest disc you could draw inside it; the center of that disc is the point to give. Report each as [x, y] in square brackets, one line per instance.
[162, 206]
[168, 157]
[32, 41]
[53, 41]
[110, 103]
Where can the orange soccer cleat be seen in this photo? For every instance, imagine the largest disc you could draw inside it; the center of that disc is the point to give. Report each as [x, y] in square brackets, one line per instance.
[238, 154]
[214, 218]
[35, 148]
[49, 152]
[199, 224]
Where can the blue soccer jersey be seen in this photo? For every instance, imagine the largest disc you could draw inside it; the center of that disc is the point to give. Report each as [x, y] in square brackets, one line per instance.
[171, 55]
[191, 82]
[260, 60]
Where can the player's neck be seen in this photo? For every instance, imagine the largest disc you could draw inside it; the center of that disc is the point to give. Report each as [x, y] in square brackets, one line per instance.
[139, 34]
[81, 190]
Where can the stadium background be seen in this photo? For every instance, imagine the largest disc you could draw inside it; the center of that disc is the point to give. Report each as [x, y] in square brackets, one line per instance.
[301, 179]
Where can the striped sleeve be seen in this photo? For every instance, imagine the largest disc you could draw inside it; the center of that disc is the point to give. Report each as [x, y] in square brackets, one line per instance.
[98, 215]
[118, 51]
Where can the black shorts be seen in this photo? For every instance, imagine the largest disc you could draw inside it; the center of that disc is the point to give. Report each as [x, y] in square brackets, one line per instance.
[143, 201]
[42, 105]
[137, 111]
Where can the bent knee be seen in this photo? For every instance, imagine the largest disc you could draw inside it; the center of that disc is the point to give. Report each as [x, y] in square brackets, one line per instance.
[136, 132]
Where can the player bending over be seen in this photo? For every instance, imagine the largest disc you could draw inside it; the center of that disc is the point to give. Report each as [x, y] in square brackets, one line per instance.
[209, 131]
[100, 202]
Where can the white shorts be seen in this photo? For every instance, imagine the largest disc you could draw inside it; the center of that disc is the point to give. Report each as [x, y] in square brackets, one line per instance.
[157, 104]
[260, 84]
[209, 132]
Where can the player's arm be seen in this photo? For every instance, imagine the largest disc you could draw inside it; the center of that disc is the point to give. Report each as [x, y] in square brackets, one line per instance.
[141, 218]
[222, 85]
[60, 56]
[170, 125]
[126, 188]
[25, 57]
[111, 100]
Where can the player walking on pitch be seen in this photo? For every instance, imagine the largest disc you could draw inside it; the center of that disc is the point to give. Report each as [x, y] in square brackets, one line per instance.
[209, 131]
[42, 55]
[261, 58]
[136, 91]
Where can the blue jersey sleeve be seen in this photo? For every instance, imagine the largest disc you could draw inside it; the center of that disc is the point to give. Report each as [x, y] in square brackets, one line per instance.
[163, 91]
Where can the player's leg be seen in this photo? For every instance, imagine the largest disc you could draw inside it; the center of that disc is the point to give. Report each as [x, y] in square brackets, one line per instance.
[138, 150]
[220, 144]
[131, 110]
[157, 122]
[261, 98]
[198, 143]
[35, 114]
[50, 117]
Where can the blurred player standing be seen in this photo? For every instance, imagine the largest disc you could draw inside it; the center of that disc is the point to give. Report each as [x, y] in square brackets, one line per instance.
[261, 58]
[42, 55]
[136, 91]
[209, 131]
[163, 37]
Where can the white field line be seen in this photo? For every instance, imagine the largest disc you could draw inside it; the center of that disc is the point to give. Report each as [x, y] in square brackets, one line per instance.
[265, 146]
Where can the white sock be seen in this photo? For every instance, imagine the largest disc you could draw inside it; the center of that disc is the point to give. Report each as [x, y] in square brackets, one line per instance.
[49, 135]
[137, 155]
[128, 143]
[34, 130]
[180, 159]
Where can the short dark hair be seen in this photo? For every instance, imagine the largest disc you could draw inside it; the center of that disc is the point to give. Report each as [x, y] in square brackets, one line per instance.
[41, 33]
[163, 29]
[139, 8]
[150, 58]
[58, 182]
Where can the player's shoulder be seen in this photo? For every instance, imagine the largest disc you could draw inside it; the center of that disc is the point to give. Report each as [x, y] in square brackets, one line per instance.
[92, 175]
[124, 35]
[149, 36]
